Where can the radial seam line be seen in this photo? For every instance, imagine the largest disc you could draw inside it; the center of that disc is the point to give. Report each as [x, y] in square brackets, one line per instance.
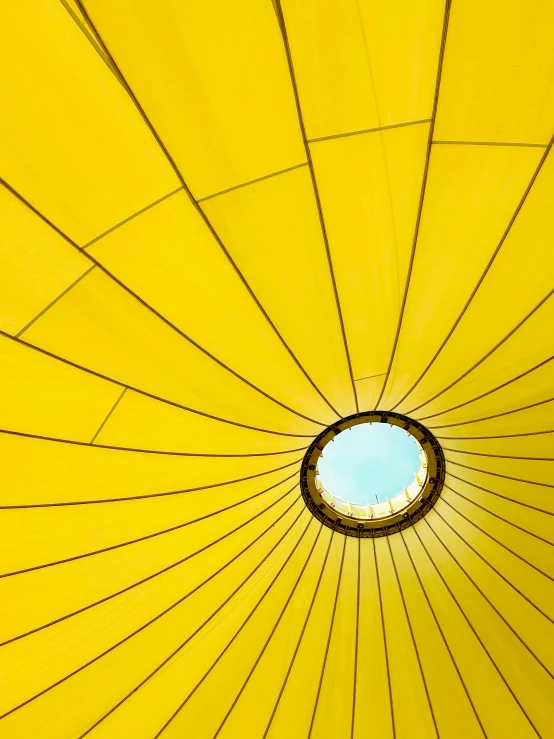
[423, 191]
[499, 495]
[499, 456]
[322, 675]
[268, 640]
[496, 436]
[144, 626]
[381, 610]
[147, 496]
[500, 544]
[488, 354]
[138, 390]
[445, 642]
[480, 591]
[139, 539]
[90, 38]
[485, 272]
[498, 474]
[298, 643]
[489, 392]
[147, 578]
[214, 613]
[357, 639]
[414, 644]
[232, 640]
[473, 630]
[495, 415]
[499, 517]
[200, 211]
[315, 188]
[150, 308]
[26, 435]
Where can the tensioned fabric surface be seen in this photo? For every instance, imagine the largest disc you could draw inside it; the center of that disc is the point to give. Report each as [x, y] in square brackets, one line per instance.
[225, 225]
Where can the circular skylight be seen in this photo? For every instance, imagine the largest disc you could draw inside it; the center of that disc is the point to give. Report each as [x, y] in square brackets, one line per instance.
[369, 463]
[372, 473]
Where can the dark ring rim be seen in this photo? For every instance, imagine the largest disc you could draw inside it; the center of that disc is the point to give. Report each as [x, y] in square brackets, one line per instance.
[386, 525]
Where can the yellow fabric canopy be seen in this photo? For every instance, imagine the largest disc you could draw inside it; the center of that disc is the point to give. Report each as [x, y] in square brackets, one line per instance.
[225, 225]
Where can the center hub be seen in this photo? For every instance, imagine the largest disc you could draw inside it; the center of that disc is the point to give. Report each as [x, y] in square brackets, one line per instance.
[379, 517]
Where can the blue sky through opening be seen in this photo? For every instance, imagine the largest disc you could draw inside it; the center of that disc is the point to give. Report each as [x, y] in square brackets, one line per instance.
[369, 462]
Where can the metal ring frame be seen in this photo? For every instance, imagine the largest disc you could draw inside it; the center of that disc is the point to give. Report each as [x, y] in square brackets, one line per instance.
[385, 525]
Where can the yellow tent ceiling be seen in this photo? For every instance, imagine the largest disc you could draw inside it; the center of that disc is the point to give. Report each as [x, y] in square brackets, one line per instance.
[225, 224]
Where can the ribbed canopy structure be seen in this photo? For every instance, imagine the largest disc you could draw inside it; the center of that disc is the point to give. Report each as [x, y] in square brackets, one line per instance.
[226, 225]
